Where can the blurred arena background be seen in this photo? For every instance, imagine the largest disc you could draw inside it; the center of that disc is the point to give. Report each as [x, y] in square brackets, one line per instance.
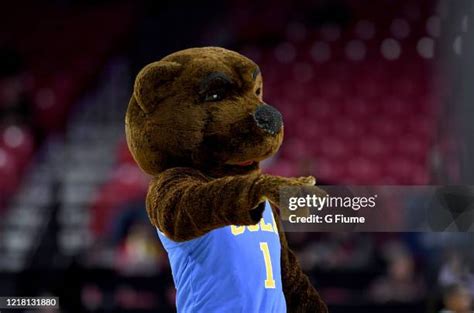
[372, 92]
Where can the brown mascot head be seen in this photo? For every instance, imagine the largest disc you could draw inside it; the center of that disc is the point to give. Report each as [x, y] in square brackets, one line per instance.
[202, 108]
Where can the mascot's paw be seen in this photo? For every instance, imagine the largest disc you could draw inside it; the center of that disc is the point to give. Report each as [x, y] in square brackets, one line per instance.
[278, 190]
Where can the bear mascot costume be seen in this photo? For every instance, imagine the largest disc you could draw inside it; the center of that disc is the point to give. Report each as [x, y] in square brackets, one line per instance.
[198, 124]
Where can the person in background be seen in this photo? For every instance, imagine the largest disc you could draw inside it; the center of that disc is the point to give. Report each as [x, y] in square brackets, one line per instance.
[457, 299]
[400, 284]
[455, 271]
[139, 254]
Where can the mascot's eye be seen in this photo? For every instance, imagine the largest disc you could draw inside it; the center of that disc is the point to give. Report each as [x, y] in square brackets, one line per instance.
[213, 96]
[215, 87]
[258, 91]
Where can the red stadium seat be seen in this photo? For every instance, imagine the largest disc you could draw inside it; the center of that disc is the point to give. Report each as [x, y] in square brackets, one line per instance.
[19, 143]
[9, 173]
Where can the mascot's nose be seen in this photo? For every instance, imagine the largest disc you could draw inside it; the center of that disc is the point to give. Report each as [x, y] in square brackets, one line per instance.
[268, 118]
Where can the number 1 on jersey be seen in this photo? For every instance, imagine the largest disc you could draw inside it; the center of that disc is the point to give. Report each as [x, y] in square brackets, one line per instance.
[269, 282]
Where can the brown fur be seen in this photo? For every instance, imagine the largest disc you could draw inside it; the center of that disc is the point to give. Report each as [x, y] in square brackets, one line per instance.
[192, 146]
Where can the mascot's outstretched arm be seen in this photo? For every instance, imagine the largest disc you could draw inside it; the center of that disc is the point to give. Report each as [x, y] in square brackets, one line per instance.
[184, 204]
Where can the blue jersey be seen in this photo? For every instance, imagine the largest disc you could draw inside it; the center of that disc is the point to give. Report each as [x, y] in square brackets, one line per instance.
[230, 269]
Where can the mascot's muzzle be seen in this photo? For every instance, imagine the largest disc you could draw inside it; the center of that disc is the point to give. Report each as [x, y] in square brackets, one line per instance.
[268, 119]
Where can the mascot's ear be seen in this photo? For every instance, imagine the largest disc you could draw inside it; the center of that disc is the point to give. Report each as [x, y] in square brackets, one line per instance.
[148, 89]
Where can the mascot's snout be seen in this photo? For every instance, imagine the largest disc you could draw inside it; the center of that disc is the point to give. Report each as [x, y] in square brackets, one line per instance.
[268, 119]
